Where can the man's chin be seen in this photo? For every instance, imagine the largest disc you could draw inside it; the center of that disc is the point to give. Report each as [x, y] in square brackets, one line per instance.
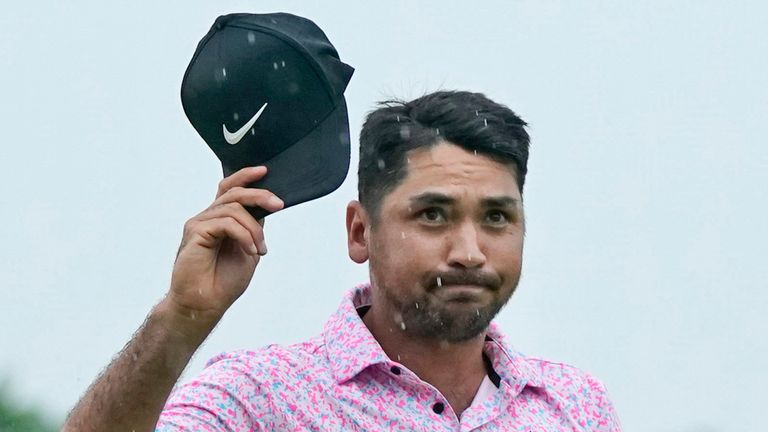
[457, 322]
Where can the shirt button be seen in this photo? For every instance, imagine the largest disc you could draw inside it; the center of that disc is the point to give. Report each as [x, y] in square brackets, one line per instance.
[395, 370]
[438, 407]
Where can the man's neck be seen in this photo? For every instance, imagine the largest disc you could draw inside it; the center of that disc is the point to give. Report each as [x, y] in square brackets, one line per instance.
[455, 369]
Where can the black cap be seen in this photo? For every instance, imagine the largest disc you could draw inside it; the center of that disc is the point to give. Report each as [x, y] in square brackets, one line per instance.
[268, 89]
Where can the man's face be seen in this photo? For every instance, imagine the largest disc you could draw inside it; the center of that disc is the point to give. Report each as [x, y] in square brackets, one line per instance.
[446, 252]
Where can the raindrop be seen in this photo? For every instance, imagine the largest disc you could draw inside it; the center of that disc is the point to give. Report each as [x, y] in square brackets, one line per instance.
[408, 160]
[134, 356]
[486, 122]
[477, 311]
[381, 163]
[236, 116]
[398, 119]
[402, 325]
[437, 131]
[253, 131]
[274, 65]
[282, 62]
[439, 281]
[475, 151]
[402, 234]
[417, 305]
[476, 113]
[193, 315]
[224, 72]
[405, 132]
[398, 357]
[251, 38]
[469, 257]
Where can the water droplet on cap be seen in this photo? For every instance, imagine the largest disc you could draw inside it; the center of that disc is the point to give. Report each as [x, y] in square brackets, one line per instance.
[251, 38]
[236, 116]
[274, 65]
[224, 72]
[282, 62]
[486, 122]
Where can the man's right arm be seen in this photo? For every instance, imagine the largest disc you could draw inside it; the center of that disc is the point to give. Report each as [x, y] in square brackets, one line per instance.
[219, 252]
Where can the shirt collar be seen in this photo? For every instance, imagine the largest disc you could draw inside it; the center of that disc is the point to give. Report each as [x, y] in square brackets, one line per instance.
[352, 347]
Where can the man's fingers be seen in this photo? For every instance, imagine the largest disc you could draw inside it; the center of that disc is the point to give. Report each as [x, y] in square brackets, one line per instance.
[251, 198]
[241, 178]
[213, 231]
[237, 212]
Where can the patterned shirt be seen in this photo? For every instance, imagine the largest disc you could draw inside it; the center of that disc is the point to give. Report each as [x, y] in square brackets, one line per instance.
[341, 380]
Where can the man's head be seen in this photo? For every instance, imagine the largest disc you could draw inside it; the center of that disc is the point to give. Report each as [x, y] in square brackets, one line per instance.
[440, 214]
[469, 120]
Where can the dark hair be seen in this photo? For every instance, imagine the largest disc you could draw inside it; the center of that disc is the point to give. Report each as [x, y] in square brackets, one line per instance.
[469, 120]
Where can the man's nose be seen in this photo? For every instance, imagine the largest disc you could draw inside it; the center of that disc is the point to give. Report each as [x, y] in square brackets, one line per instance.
[465, 249]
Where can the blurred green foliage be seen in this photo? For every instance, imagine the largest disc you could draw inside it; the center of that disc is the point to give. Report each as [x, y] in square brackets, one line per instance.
[16, 419]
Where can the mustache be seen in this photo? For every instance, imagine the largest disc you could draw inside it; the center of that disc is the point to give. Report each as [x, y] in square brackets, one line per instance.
[435, 280]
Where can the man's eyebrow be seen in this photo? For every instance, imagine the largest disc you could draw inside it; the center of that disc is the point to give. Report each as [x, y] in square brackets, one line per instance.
[432, 198]
[436, 198]
[500, 201]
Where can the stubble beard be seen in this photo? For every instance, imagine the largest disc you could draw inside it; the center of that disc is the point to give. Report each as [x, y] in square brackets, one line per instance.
[426, 318]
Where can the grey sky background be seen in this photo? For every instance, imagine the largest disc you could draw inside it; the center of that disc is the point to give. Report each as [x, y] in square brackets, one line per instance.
[645, 199]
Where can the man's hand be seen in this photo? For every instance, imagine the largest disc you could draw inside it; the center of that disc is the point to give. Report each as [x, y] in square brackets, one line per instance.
[215, 263]
[220, 249]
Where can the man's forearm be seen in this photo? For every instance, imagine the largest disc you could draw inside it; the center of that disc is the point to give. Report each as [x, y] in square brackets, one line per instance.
[129, 395]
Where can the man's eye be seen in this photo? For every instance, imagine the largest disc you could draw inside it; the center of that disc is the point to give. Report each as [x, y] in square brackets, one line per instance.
[432, 215]
[497, 217]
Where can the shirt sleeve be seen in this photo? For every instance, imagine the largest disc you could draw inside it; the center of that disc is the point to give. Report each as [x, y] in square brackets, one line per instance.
[225, 397]
[602, 412]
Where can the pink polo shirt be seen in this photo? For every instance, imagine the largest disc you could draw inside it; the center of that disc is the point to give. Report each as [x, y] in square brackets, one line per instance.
[341, 380]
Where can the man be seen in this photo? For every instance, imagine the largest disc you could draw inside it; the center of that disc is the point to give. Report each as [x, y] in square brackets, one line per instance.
[440, 221]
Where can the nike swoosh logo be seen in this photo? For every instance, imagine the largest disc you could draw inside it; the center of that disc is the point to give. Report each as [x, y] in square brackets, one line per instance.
[235, 137]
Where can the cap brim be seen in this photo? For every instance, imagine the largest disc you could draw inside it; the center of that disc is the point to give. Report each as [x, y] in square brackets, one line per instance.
[313, 167]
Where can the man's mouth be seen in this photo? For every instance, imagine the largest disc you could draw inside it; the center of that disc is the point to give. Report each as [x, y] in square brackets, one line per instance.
[462, 293]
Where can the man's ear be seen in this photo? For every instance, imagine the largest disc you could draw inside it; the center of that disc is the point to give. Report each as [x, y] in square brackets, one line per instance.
[357, 232]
